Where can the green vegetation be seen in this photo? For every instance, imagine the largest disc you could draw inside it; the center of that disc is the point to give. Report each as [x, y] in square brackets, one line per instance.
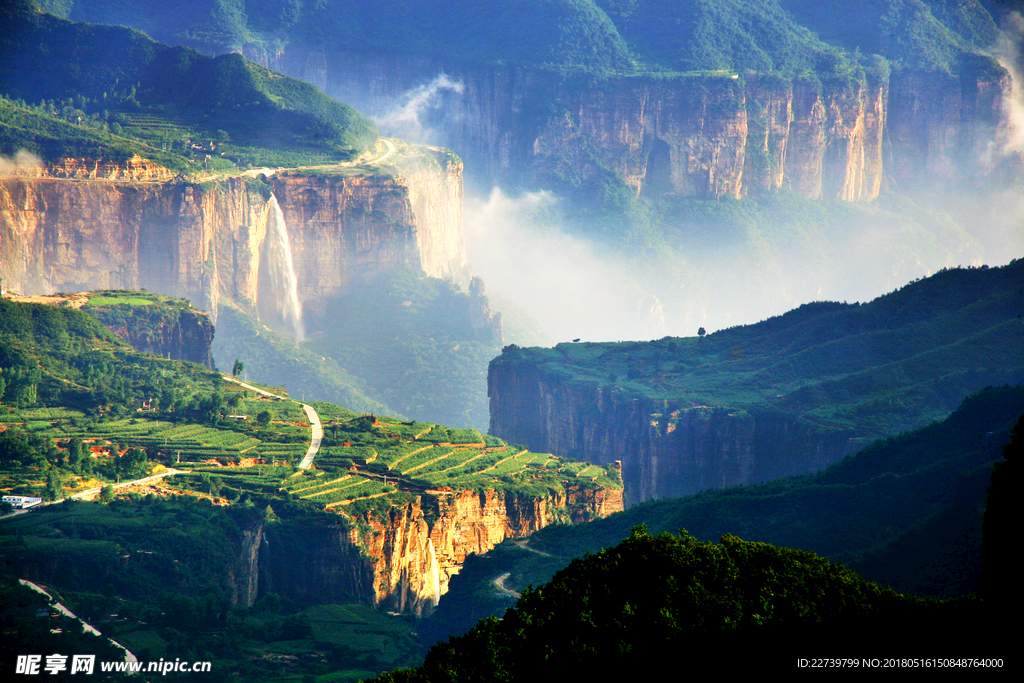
[39, 627]
[276, 360]
[36, 129]
[156, 575]
[127, 94]
[626, 606]
[879, 368]
[596, 36]
[928, 34]
[419, 344]
[82, 411]
[905, 512]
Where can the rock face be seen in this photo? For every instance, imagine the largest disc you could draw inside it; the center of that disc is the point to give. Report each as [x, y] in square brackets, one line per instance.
[666, 450]
[688, 136]
[790, 394]
[401, 558]
[166, 331]
[204, 241]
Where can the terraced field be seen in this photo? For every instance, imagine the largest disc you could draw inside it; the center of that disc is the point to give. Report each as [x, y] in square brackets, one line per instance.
[367, 458]
[182, 442]
[362, 457]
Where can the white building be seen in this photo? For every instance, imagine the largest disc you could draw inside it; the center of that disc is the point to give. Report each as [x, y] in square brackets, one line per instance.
[22, 502]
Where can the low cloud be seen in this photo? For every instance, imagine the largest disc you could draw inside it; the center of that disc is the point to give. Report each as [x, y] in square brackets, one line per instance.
[571, 286]
[23, 163]
[409, 119]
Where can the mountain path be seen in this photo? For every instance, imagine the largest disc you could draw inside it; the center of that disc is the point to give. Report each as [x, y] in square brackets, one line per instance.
[317, 434]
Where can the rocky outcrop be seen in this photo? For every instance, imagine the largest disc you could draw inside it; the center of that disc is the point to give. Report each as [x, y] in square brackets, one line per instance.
[403, 557]
[668, 449]
[943, 126]
[204, 241]
[134, 169]
[168, 331]
[701, 136]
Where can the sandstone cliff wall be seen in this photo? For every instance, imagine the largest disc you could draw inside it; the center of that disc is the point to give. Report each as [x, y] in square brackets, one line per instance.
[205, 241]
[701, 137]
[667, 450]
[402, 559]
[182, 334]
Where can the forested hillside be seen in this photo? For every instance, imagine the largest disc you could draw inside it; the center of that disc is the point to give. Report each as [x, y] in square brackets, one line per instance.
[619, 611]
[118, 88]
[203, 522]
[600, 36]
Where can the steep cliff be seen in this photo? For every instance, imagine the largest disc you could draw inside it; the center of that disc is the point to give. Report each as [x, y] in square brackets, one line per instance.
[166, 329]
[401, 557]
[702, 136]
[202, 241]
[790, 394]
[667, 448]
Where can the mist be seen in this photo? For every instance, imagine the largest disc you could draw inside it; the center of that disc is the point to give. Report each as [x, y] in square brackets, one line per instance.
[408, 120]
[714, 264]
[23, 163]
[570, 285]
[1010, 55]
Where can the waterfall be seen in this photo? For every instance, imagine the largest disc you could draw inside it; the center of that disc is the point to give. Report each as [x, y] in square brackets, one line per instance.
[284, 284]
[434, 578]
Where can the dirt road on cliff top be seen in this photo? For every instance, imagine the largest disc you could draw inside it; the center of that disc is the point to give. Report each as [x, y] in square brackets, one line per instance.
[253, 172]
[391, 150]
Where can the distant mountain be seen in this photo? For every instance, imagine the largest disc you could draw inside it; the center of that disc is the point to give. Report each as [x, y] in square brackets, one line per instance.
[119, 83]
[785, 36]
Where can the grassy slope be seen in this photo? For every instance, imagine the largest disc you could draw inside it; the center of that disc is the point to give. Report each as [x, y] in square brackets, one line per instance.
[85, 385]
[66, 376]
[879, 368]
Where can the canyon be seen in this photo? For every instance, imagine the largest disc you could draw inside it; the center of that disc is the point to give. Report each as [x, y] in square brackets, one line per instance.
[400, 558]
[794, 393]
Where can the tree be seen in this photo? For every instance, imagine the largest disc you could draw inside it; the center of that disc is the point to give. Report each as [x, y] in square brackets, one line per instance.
[701, 332]
[54, 486]
[237, 368]
[264, 418]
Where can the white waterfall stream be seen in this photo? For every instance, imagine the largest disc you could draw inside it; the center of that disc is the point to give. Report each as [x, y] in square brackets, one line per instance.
[434, 579]
[284, 284]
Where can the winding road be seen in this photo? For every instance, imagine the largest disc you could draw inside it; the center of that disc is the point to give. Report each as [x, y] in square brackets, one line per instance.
[88, 628]
[311, 414]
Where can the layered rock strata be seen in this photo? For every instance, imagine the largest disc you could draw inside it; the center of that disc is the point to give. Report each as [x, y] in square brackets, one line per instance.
[204, 241]
[401, 558]
[667, 450]
[702, 136]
